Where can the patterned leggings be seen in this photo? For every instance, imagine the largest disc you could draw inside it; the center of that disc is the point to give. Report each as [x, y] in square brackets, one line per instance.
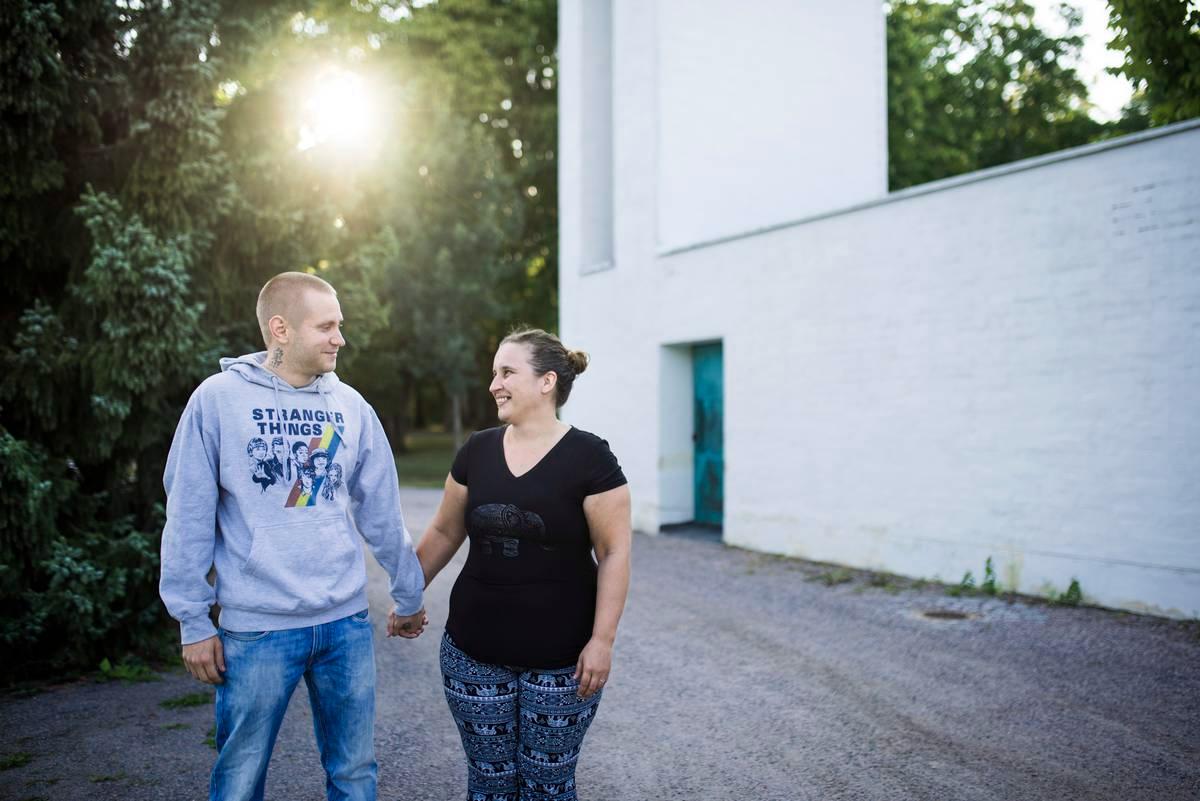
[521, 729]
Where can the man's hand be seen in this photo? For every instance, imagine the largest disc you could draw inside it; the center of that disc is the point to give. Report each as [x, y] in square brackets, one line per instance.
[407, 626]
[205, 660]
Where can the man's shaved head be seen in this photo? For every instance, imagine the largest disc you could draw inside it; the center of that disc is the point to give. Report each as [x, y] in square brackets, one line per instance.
[284, 295]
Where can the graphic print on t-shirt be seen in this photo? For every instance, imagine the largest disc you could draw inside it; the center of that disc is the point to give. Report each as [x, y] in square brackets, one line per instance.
[506, 525]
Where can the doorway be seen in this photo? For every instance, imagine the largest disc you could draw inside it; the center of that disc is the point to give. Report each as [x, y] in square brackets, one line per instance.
[708, 405]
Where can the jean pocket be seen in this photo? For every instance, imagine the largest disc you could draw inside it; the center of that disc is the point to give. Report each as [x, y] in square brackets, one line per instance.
[361, 617]
[245, 636]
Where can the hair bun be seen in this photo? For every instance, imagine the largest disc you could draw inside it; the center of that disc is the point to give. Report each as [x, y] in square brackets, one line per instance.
[578, 360]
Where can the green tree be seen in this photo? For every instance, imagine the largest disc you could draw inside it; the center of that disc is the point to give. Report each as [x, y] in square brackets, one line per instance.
[1161, 43]
[499, 64]
[976, 85]
[464, 81]
[158, 178]
[106, 329]
[73, 579]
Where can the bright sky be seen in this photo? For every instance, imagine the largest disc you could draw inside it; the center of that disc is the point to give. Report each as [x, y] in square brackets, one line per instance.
[1110, 93]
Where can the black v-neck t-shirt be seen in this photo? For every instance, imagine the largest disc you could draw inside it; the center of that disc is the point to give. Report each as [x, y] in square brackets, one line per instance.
[526, 596]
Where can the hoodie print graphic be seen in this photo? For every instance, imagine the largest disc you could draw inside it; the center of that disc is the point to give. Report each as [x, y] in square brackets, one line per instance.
[306, 467]
[261, 470]
[317, 472]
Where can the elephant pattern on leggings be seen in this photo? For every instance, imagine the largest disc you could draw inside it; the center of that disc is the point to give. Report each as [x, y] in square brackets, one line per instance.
[522, 729]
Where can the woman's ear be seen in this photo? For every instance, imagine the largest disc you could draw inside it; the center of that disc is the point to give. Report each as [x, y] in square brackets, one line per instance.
[549, 382]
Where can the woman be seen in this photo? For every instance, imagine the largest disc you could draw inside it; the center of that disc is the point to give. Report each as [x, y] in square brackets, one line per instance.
[333, 482]
[528, 643]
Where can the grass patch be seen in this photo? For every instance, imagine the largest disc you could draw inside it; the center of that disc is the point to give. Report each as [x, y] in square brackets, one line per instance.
[884, 581]
[177, 726]
[831, 578]
[964, 587]
[968, 585]
[988, 587]
[128, 670]
[17, 760]
[1072, 597]
[428, 459]
[115, 777]
[185, 701]
[210, 739]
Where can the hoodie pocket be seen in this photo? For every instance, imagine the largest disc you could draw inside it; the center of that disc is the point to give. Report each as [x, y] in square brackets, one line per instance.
[303, 566]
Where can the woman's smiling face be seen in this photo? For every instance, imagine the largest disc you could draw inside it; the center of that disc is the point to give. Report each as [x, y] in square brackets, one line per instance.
[516, 388]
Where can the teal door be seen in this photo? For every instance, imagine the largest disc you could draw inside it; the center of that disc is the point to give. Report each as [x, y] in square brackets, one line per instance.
[709, 433]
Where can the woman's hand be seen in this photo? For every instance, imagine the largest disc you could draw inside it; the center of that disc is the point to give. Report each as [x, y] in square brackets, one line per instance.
[595, 662]
[409, 627]
[608, 523]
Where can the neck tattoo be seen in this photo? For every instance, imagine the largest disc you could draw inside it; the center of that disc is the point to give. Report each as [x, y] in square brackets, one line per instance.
[277, 357]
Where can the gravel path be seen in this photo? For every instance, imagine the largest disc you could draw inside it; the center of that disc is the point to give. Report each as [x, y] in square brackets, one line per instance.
[737, 676]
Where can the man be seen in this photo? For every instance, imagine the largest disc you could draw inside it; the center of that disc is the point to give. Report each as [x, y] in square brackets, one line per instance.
[290, 572]
[278, 458]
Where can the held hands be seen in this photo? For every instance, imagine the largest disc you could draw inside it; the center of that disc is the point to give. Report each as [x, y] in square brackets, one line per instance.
[407, 626]
[595, 663]
[205, 660]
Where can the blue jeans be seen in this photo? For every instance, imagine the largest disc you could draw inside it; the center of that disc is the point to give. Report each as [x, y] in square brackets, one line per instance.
[262, 669]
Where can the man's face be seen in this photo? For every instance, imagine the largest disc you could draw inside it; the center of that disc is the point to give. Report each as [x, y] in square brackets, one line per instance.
[317, 338]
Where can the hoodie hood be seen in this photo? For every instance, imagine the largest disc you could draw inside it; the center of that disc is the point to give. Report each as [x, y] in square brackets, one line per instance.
[252, 367]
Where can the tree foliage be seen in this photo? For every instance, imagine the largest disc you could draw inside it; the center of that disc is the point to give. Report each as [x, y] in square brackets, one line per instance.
[1161, 43]
[974, 85]
[156, 177]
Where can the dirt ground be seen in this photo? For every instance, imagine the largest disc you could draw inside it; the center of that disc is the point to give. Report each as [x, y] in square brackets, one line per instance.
[736, 676]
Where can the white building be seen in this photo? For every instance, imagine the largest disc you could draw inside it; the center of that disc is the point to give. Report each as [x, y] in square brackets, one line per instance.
[1003, 364]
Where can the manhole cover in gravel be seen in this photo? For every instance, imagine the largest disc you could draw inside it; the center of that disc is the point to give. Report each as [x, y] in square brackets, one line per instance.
[945, 614]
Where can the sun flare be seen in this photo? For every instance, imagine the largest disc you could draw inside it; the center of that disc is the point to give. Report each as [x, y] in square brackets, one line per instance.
[338, 110]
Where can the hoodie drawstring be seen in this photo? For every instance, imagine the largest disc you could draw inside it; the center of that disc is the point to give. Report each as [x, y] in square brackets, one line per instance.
[287, 445]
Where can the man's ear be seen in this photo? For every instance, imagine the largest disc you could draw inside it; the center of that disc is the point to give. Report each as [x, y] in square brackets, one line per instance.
[278, 328]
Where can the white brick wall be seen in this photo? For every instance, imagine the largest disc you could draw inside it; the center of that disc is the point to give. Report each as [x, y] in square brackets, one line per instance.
[1006, 365]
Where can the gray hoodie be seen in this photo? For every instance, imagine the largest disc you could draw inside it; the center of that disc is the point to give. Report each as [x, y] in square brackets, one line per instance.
[273, 485]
